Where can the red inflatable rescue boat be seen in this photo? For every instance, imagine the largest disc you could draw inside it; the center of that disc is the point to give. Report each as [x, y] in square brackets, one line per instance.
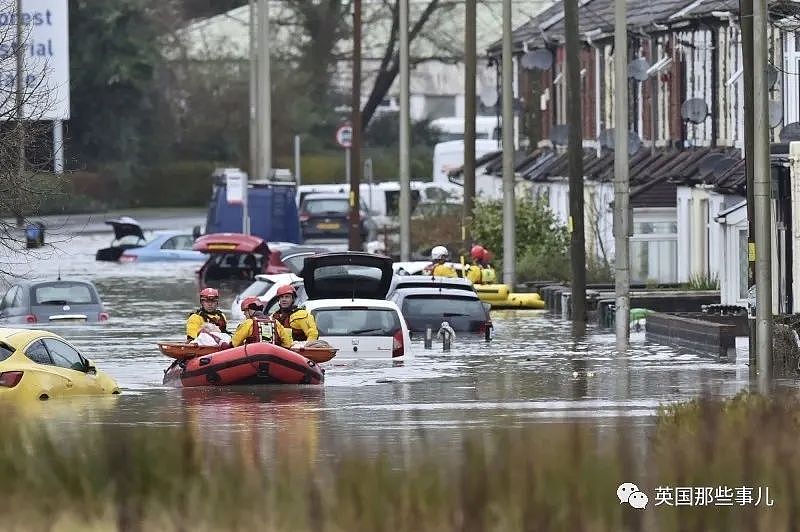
[257, 363]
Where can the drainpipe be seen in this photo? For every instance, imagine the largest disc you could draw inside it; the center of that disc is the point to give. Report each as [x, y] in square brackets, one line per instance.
[597, 95]
[714, 86]
[794, 177]
[653, 98]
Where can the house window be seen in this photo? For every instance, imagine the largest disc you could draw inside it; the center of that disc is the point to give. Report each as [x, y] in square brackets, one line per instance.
[654, 248]
[654, 260]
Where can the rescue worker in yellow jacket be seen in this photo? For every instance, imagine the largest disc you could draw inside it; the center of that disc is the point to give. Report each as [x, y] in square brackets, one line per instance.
[207, 313]
[438, 268]
[258, 327]
[297, 319]
[480, 271]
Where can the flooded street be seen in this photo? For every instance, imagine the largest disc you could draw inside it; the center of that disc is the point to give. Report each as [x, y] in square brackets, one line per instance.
[532, 372]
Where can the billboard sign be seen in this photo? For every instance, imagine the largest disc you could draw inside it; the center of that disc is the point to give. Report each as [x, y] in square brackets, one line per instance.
[45, 42]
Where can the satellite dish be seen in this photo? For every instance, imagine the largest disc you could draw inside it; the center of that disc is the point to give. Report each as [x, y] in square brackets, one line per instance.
[489, 96]
[606, 140]
[694, 110]
[527, 60]
[772, 76]
[723, 165]
[634, 142]
[790, 132]
[539, 59]
[775, 113]
[637, 69]
[706, 166]
[559, 135]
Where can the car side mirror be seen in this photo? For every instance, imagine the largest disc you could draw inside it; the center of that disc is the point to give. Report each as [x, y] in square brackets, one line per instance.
[89, 367]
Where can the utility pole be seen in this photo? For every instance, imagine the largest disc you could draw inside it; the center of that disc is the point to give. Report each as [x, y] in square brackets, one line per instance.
[19, 102]
[405, 138]
[746, 25]
[355, 152]
[575, 163]
[762, 187]
[297, 176]
[264, 90]
[254, 143]
[621, 178]
[470, 73]
[509, 218]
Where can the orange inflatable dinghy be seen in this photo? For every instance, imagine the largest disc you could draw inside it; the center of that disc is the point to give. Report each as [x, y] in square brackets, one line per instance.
[257, 363]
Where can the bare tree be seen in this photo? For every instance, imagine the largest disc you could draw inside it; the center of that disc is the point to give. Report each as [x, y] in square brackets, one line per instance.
[390, 61]
[25, 97]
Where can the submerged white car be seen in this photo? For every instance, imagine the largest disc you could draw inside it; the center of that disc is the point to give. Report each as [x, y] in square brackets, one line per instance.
[346, 295]
[264, 287]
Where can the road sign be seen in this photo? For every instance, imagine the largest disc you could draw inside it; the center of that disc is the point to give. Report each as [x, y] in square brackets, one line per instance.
[344, 136]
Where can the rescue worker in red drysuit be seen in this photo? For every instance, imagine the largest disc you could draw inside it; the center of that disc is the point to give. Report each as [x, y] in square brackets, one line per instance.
[259, 328]
[297, 319]
[207, 313]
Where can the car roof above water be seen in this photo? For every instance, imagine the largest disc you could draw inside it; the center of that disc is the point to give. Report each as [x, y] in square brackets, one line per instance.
[37, 282]
[314, 304]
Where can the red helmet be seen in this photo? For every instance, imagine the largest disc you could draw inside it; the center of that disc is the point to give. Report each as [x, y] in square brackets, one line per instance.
[478, 252]
[209, 293]
[251, 301]
[286, 289]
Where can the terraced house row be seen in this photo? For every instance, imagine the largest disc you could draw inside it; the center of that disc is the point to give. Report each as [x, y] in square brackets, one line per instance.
[686, 98]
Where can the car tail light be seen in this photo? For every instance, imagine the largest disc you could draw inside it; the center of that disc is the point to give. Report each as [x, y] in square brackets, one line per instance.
[128, 258]
[9, 379]
[103, 316]
[398, 348]
[304, 217]
[30, 318]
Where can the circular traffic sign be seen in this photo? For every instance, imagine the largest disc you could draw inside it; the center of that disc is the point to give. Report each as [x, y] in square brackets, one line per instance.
[344, 136]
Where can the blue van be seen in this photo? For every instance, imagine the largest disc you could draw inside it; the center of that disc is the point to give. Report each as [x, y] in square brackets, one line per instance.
[272, 209]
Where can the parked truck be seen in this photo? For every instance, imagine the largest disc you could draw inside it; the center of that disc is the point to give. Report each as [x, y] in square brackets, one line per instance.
[270, 203]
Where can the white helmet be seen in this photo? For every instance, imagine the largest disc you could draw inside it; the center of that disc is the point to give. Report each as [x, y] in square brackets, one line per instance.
[439, 252]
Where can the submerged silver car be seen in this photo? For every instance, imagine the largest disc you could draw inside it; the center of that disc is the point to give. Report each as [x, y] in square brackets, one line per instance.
[59, 301]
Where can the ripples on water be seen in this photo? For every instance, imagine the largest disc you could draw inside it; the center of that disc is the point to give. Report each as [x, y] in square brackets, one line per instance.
[533, 371]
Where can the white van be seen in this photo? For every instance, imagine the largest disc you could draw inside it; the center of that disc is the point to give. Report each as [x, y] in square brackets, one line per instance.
[382, 200]
[449, 156]
[452, 127]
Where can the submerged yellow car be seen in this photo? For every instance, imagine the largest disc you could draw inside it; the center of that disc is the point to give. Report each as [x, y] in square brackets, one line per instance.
[41, 365]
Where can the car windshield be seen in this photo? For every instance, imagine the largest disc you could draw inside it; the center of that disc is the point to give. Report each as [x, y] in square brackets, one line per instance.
[357, 321]
[63, 293]
[258, 288]
[238, 260]
[295, 262]
[434, 305]
[347, 271]
[324, 206]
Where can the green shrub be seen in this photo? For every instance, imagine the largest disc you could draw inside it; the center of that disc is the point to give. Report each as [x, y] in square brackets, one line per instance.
[46, 194]
[542, 243]
[329, 166]
[704, 281]
[176, 475]
[175, 184]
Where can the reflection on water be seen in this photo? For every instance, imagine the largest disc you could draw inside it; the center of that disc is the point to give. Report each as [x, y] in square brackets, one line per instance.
[534, 371]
